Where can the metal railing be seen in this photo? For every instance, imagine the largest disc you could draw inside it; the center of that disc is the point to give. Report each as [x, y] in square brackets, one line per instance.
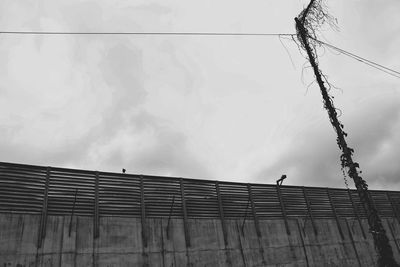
[61, 191]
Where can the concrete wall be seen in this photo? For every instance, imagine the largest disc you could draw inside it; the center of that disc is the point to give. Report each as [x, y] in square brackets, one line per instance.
[120, 242]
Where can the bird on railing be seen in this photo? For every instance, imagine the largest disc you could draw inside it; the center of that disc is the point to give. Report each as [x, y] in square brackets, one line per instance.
[123, 170]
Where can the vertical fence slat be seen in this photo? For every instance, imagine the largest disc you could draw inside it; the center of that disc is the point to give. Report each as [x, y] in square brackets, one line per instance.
[394, 208]
[334, 212]
[393, 235]
[96, 205]
[185, 216]
[356, 213]
[353, 243]
[143, 212]
[43, 217]
[221, 212]
[72, 213]
[170, 214]
[278, 190]
[309, 209]
[253, 209]
[302, 242]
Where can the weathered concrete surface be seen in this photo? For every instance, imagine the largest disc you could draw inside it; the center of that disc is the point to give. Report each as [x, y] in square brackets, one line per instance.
[120, 242]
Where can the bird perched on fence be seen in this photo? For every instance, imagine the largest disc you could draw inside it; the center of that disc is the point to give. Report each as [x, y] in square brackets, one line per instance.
[123, 170]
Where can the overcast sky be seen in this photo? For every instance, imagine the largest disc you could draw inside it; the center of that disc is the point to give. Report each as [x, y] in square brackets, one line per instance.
[225, 108]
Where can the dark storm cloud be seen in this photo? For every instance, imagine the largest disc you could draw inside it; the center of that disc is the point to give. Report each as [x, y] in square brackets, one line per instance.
[313, 158]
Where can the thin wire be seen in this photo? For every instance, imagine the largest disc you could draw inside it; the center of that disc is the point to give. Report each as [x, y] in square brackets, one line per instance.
[366, 61]
[370, 63]
[287, 51]
[145, 33]
[354, 55]
[374, 65]
[342, 51]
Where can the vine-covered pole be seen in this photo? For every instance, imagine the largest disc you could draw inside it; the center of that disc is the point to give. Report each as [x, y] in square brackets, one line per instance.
[305, 32]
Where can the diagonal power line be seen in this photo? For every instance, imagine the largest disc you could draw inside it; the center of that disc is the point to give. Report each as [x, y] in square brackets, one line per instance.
[368, 62]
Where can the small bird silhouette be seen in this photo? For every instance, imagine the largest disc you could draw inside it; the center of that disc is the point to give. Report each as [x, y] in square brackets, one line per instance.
[123, 170]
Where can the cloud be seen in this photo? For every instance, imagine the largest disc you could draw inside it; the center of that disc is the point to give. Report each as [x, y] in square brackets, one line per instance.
[101, 123]
[188, 106]
[313, 158]
[149, 145]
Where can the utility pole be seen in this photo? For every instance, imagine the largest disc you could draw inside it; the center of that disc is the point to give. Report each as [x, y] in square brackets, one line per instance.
[305, 32]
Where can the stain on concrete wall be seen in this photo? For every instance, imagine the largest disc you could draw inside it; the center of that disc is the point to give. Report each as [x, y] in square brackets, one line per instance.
[120, 242]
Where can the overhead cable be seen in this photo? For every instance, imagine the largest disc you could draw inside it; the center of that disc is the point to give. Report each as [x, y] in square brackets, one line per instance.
[370, 63]
[342, 51]
[145, 33]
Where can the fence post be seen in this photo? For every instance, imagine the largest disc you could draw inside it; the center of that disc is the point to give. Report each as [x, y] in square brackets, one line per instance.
[335, 213]
[43, 218]
[278, 190]
[253, 209]
[185, 216]
[96, 206]
[310, 210]
[72, 213]
[394, 208]
[356, 213]
[221, 212]
[143, 212]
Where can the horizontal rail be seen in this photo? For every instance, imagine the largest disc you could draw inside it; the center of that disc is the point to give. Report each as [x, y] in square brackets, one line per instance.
[22, 190]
